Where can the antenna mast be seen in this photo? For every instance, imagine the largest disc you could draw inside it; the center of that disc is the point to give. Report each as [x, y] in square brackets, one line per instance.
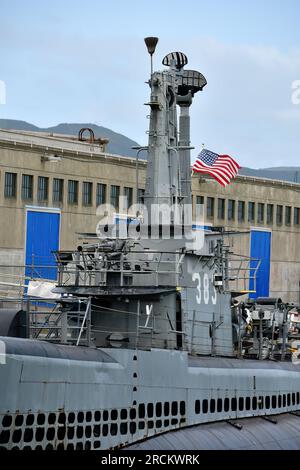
[151, 43]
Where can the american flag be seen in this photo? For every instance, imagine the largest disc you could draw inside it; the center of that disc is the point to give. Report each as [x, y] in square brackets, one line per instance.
[222, 167]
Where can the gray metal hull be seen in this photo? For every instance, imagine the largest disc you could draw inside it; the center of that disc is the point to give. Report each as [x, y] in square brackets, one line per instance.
[119, 396]
[279, 433]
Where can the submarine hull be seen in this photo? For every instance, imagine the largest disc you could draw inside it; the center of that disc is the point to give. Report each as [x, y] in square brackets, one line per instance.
[56, 397]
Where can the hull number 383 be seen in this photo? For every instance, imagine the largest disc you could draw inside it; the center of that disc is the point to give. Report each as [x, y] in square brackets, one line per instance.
[206, 292]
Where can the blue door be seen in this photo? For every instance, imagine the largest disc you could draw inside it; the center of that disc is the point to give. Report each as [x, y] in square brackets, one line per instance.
[42, 237]
[260, 249]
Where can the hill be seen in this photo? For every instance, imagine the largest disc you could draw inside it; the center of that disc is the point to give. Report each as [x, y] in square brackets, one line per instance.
[118, 143]
[291, 174]
[121, 145]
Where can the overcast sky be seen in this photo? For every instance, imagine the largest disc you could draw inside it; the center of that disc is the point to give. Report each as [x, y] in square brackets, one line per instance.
[74, 61]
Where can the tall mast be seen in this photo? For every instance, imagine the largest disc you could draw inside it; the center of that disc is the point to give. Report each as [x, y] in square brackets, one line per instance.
[168, 180]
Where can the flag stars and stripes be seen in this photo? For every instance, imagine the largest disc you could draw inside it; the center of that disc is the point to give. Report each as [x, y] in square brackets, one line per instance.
[221, 167]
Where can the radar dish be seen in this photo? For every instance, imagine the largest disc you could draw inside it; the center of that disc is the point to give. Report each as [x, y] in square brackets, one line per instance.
[190, 80]
[177, 58]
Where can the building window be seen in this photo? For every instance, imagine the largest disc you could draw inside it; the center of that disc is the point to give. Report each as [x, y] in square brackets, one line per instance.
[210, 207]
[10, 186]
[128, 194]
[43, 183]
[260, 213]
[199, 200]
[58, 188]
[296, 215]
[221, 208]
[114, 196]
[199, 207]
[270, 210]
[87, 193]
[241, 211]
[231, 209]
[73, 192]
[251, 211]
[140, 196]
[288, 215]
[279, 211]
[101, 194]
[27, 187]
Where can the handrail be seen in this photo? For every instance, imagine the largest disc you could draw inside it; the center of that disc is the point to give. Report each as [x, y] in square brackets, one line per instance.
[87, 312]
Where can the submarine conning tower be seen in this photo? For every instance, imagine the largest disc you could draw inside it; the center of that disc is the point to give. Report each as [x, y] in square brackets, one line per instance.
[168, 179]
[157, 282]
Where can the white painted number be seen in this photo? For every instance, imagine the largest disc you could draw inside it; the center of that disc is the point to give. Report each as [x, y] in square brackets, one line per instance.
[214, 296]
[206, 296]
[206, 288]
[196, 277]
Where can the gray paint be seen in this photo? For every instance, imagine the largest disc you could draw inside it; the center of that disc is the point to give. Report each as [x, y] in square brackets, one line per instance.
[137, 290]
[256, 434]
[42, 349]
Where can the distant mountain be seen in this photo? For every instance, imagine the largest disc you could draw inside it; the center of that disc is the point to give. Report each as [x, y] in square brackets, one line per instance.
[283, 168]
[284, 173]
[118, 143]
[18, 125]
[121, 145]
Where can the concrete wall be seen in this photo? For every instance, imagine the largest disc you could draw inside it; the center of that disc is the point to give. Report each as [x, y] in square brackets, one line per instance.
[285, 242]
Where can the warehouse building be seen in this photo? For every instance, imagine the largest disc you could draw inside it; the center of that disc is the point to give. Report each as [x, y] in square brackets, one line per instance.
[51, 185]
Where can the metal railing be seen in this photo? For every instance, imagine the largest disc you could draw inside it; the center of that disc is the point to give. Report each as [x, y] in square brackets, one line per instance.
[241, 273]
[93, 269]
[68, 325]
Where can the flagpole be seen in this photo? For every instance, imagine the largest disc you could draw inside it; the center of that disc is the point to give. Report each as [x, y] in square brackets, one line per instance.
[202, 145]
